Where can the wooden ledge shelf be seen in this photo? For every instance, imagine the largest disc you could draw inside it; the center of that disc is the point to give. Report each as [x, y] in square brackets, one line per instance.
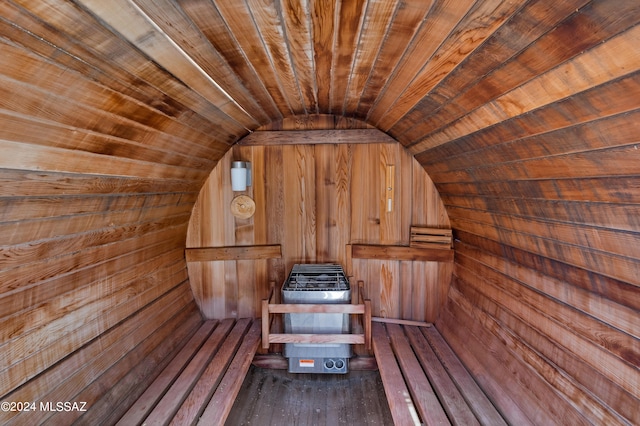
[332, 136]
[209, 254]
[366, 251]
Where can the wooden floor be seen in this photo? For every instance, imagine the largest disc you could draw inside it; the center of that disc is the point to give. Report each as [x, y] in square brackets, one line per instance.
[276, 397]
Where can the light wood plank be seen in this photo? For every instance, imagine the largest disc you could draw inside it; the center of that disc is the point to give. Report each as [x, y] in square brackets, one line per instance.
[81, 300]
[398, 396]
[605, 215]
[286, 308]
[560, 330]
[602, 307]
[23, 267]
[617, 267]
[207, 383]
[581, 73]
[206, 254]
[87, 47]
[313, 137]
[422, 46]
[268, 18]
[408, 17]
[450, 397]
[172, 20]
[355, 339]
[375, 24]
[477, 400]
[28, 358]
[512, 56]
[240, 22]
[368, 251]
[300, 47]
[323, 29]
[28, 157]
[220, 404]
[146, 351]
[514, 407]
[422, 394]
[588, 238]
[208, 20]
[178, 392]
[346, 37]
[134, 25]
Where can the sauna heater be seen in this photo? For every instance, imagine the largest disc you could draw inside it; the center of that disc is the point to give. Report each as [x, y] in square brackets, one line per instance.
[317, 284]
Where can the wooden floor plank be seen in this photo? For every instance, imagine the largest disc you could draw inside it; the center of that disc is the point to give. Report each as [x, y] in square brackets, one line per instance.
[277, 397]
[398, 396]
[423, 396]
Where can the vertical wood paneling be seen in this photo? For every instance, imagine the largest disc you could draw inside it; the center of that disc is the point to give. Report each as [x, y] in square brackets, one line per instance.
[313, 200]
[299, 226]
[274, 206]
[390, 221]
[366, 183]
[333, 178]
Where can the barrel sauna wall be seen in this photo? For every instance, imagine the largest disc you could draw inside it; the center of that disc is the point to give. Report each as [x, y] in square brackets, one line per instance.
[313, 200]
[524, 113]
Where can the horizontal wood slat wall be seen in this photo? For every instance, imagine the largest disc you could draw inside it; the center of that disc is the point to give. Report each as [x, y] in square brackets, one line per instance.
[103, 155]
[313, 200]
[537, 165]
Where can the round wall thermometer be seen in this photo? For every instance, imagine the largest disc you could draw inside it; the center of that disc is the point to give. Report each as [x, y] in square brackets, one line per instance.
[243, 207]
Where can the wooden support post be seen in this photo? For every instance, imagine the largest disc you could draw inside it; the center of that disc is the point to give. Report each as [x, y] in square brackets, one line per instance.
[366, 320]
[367, 324]
[266, 324]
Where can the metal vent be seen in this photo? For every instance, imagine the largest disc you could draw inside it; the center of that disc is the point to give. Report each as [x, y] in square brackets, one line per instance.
[316, 277]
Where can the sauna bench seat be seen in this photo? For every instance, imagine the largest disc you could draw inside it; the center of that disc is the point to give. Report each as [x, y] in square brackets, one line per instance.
[201, 382]
[425, 382]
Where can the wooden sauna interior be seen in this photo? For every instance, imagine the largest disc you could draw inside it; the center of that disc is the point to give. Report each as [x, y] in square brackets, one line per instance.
[515, 123]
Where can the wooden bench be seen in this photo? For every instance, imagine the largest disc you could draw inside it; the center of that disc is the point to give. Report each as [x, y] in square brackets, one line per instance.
[201, 382]
[425, 382]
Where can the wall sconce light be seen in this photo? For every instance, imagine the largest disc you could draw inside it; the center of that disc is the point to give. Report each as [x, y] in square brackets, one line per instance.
[240, 175]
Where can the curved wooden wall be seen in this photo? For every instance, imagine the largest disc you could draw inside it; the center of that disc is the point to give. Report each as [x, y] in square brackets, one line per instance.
[524, 114]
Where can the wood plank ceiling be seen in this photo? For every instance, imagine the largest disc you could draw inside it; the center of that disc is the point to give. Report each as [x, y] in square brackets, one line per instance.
[525, 113]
